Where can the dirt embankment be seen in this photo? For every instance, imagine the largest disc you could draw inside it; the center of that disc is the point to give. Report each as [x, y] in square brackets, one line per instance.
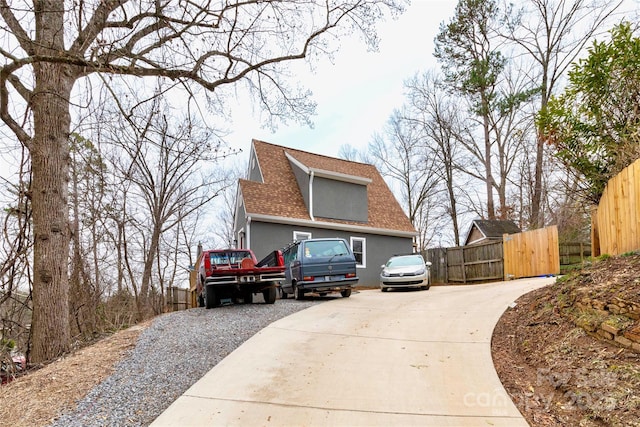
[566, 354]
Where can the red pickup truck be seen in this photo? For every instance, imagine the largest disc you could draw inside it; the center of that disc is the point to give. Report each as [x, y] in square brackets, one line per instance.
[235, 275]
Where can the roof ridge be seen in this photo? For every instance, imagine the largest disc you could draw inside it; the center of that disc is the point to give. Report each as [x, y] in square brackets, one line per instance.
[313, 154]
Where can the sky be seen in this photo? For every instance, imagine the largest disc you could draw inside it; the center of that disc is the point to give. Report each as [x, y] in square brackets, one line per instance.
[357, 93]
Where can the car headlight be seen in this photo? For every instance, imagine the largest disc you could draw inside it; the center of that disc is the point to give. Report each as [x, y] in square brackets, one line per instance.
[419, 272]
[384, 273]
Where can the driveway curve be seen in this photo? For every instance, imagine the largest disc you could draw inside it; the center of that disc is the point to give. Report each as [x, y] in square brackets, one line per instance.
[418, 358]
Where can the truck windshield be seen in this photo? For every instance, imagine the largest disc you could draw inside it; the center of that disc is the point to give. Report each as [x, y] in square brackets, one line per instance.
[226, 258]
[325, 248]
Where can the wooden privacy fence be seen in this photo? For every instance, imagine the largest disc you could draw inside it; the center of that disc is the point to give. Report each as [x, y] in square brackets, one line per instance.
[178, 298]
[464, 264]
[531, 253]
[615, 223]
[528, 254]
[574, 255]
[482, 262]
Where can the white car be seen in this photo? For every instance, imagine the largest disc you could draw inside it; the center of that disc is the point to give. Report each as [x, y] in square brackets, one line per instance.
[405, 271]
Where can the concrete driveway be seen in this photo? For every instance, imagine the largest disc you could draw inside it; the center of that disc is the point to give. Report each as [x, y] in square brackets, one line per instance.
[374, 359]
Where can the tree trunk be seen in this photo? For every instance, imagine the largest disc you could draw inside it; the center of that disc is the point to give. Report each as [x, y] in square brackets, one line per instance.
[49, 149]
[144, 306]
[536, 220]
[454, 210]
[50, 170]
[491, 210]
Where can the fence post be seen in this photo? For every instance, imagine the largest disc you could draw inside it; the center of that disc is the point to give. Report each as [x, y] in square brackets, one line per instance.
[446, 267]
[464, 266]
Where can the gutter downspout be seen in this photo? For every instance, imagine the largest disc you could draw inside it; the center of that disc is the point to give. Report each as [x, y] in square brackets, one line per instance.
[311, 175]
[248, 233]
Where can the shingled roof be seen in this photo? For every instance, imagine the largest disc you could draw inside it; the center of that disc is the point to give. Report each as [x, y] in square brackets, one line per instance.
[279, 195]
[493, 229]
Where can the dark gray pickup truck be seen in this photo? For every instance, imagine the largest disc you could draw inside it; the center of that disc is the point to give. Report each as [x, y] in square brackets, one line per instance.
[318, 265]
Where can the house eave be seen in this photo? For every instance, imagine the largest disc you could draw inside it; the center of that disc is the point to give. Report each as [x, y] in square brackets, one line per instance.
[332, 225]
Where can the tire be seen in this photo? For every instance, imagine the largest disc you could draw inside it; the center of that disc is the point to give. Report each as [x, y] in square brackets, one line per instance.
[298, 293]
[346, 293]
[384, 289]
[210, 297]
[269, 295]
[248, 297]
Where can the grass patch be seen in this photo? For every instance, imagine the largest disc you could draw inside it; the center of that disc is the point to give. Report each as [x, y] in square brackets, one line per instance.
[630, 253]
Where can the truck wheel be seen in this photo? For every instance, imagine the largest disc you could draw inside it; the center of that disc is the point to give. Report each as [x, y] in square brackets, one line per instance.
[248, 297]
[346, 293]
[298, 293]
[210, 297]
[269, 295]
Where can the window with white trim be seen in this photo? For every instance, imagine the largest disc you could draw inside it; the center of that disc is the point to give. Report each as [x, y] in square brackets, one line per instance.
[359, 248]
[301, 235]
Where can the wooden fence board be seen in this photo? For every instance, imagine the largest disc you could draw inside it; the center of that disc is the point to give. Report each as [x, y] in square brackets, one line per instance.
[455, 265]
[438, 259]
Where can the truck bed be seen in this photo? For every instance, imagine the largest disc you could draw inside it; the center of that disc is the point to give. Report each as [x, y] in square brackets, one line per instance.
[245, 275]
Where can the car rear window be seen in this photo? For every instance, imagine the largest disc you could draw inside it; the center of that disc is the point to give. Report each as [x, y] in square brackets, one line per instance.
[325, 248]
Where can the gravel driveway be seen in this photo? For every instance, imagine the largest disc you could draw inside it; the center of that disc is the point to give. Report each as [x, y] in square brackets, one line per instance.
[170, 355]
